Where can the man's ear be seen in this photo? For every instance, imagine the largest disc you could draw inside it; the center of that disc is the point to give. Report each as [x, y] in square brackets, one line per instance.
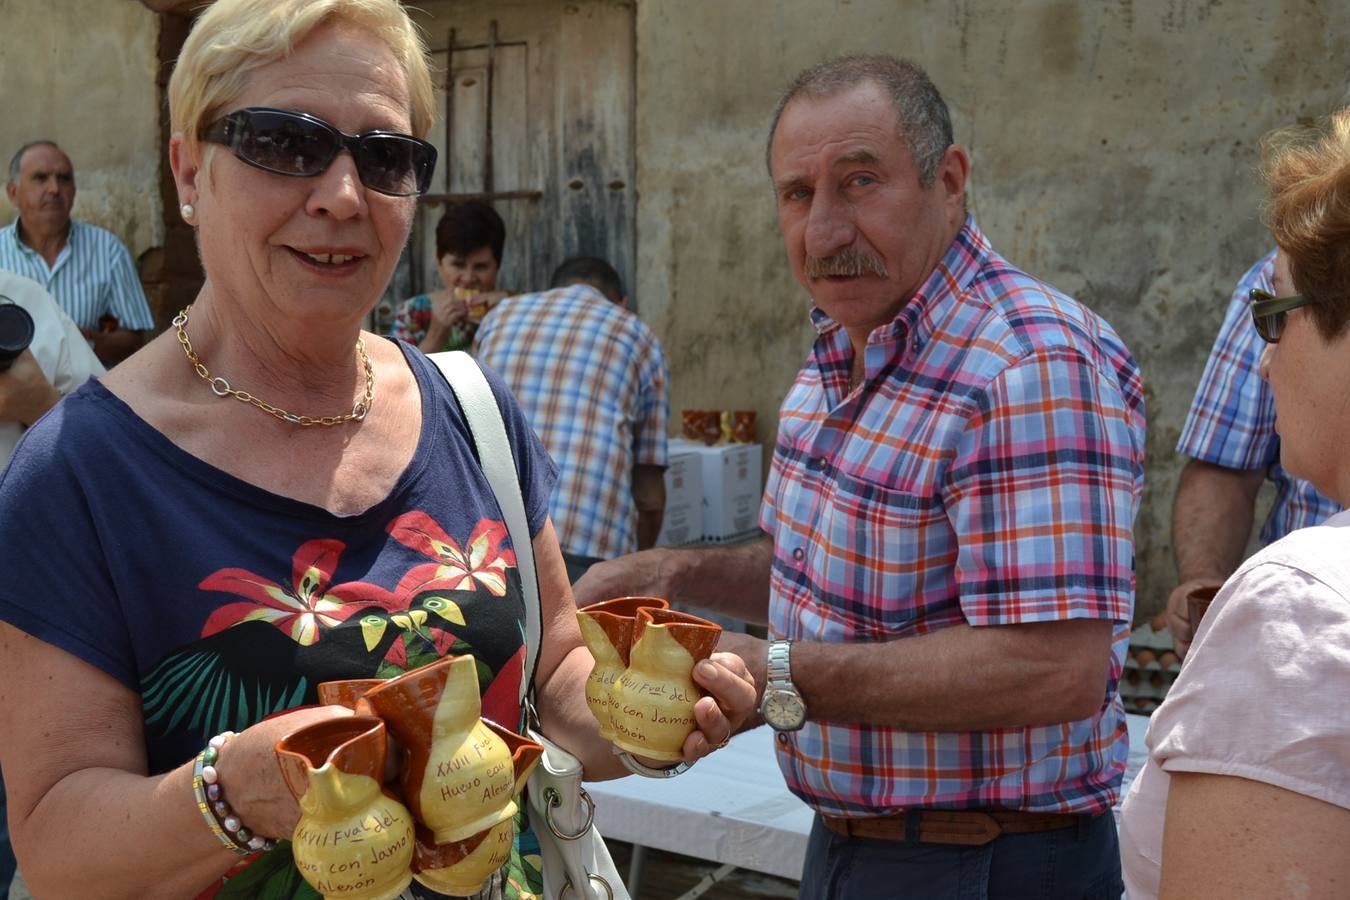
[10, 190]
[952, 173]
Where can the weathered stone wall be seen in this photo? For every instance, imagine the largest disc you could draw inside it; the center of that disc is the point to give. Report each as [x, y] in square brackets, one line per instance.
[1114, 147]
[82, 73]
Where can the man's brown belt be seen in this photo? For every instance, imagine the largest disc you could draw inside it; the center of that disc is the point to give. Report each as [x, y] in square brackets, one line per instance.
[941, 826]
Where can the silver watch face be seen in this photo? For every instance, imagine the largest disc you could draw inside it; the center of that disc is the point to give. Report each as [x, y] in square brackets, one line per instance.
[783, 710]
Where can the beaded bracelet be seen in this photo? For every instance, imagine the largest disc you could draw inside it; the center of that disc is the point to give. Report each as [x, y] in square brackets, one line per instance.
[224, 824]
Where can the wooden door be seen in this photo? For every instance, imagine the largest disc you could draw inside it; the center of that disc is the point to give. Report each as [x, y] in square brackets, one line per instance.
[535, 115]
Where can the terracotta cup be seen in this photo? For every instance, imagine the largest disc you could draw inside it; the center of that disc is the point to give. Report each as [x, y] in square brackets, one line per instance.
[1197, 604]
[655, 696]
[743, 426]
[354, 839]
[712, 427]
[457, 773]
[350, 693]
[691, 421]
[607, 629]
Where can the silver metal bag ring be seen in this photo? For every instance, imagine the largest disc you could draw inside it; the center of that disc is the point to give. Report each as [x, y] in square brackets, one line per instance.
[595, 879]
[554, 800]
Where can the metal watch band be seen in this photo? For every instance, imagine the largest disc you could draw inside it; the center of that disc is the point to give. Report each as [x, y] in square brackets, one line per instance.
[779, 671]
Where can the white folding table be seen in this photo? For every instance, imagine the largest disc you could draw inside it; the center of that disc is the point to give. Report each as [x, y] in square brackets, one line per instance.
[732, 808]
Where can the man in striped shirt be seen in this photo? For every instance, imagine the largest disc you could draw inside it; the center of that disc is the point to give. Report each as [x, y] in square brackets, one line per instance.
[87, 269]
[948, 584]
[591, 378]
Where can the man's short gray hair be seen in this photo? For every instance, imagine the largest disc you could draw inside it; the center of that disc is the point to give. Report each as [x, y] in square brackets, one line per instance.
[921, 113]
[16, 160]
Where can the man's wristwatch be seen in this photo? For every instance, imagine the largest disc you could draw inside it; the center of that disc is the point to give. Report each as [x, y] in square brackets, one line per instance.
[782, 707]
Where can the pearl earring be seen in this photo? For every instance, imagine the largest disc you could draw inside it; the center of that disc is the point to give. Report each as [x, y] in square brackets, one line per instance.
[187, 211]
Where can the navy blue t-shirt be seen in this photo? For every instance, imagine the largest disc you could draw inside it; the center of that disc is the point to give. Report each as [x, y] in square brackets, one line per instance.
[221, 603]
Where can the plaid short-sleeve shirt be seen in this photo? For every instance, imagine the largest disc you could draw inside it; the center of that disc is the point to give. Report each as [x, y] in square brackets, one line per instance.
[1232, 418]
[591, 377]
[987, 471]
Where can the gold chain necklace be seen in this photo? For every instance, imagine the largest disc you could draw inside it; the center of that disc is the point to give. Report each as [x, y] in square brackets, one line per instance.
[222, 388]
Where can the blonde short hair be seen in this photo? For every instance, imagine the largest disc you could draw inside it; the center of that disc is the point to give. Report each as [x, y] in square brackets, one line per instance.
[234, 37]
[1307, 170]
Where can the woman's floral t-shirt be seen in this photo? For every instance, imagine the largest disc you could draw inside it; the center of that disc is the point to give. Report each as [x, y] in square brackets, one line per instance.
[221, 603]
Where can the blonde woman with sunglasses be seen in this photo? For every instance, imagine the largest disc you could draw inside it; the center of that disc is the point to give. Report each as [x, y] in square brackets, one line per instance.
[266, 497]
[1247, 789]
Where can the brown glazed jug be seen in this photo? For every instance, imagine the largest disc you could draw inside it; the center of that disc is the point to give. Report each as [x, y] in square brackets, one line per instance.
[354, 839]
[607, 629]
[456, 774]
[459, 868]
[654, 697]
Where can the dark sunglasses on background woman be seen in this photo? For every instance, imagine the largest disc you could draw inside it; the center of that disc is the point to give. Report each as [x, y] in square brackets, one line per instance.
[1268, 312]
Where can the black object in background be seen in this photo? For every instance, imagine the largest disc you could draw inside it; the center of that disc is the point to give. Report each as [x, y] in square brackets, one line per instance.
[16, 331]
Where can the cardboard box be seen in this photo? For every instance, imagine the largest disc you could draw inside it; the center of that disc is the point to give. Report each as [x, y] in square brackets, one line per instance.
[682, 522]
[732, 485]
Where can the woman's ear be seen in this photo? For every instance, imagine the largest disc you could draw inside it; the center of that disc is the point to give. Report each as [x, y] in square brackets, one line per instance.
[186, 168]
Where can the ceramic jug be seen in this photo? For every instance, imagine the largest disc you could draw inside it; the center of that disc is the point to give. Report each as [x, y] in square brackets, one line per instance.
[607, 629]
[459, 868]
[456, 774]
[354, 839]
[655, 696]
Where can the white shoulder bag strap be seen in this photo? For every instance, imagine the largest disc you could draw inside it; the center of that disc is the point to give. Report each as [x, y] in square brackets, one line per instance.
[576, 862]
[499, 465]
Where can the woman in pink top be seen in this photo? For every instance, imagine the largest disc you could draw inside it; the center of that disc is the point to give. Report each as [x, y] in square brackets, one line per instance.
[1247, 788]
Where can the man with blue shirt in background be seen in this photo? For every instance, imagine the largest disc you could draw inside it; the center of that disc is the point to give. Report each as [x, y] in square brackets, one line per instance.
[86, 268]
[1230, 438]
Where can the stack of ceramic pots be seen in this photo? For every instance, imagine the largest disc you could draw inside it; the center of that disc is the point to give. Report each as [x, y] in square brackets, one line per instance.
[449, 824]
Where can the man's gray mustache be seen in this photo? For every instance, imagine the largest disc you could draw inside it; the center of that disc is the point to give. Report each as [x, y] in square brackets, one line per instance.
[846, 263]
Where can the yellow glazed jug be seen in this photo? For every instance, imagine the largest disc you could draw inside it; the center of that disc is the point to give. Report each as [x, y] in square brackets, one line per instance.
[354, 840]
[457, 774]
[459, 868]
[655, 696]
[607, 629]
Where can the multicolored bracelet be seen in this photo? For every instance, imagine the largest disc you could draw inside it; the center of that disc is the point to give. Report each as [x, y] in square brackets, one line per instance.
[210, 796]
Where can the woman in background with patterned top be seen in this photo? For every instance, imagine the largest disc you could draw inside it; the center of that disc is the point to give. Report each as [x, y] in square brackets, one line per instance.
[469, 240]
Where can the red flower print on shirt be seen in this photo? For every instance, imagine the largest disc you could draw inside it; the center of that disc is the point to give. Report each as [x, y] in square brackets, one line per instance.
[483, 559]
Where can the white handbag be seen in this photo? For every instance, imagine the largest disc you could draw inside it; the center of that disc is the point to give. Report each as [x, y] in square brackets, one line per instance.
[575, 860]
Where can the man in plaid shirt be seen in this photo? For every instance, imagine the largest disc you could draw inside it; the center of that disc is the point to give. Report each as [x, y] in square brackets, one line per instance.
[592, 380]
[948, 583]
[1231, 441]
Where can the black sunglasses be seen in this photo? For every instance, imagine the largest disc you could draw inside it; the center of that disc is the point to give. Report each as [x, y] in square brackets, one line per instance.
[296, 143]
[1268, 312]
